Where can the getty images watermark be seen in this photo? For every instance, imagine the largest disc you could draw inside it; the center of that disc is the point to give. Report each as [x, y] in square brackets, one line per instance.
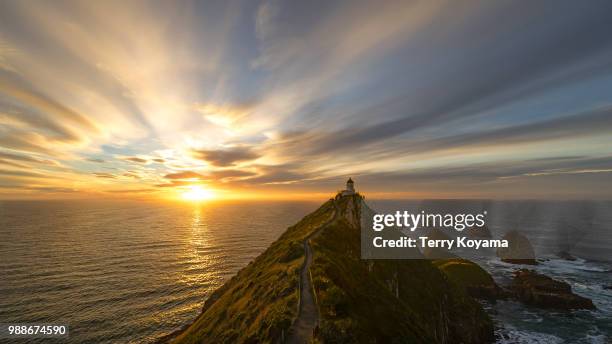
[410, 221]
[406, 235]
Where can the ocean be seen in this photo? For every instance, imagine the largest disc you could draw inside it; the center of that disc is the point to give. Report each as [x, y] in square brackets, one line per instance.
[121, 271]
[581, 228]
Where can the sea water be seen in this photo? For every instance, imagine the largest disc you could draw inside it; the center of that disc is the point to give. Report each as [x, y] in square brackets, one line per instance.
[119, 272]
[135, 271]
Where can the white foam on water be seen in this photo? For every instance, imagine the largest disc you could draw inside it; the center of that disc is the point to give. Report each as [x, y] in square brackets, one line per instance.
[563, 265]
[595, 339]
[513, 336]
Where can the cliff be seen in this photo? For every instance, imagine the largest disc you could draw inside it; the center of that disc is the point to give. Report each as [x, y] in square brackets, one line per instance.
[356, 301]
[470, 276]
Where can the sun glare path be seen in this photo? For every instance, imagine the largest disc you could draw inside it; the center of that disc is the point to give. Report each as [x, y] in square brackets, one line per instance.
[197, 193]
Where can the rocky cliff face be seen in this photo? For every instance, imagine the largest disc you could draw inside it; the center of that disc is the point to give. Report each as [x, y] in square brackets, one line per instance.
[539, 290]
[382, 301]
[387, 301]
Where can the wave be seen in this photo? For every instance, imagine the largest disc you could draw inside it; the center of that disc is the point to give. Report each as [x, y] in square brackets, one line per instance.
[514, 336]
[572, 265]
[595, 339]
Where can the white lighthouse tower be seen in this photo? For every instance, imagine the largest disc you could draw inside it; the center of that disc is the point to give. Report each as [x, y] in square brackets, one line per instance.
[350, 188]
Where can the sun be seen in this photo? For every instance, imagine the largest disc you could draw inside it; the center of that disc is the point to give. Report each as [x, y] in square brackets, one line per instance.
[197, 193]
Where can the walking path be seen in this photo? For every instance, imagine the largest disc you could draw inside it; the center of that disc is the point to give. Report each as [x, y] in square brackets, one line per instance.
[308, 317]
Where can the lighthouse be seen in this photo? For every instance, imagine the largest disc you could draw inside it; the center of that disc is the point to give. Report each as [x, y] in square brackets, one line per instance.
[350, 188]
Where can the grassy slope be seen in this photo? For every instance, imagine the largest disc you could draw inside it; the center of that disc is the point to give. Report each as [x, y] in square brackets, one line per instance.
[360, 301]
[388, 301]
[261, 300]
[464, 273]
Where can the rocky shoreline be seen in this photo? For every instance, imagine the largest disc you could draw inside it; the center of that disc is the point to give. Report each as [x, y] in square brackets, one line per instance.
[539, 290]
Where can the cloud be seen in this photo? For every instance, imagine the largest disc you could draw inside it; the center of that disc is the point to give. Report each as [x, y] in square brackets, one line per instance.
[25, 158]
[486, 175]
[22, 140]
[560, 158]
[13, 173]
[38, 188]
[39, 110]
[225, 115]
[132, 191]
[174, 183]
[51, 189]
[105, 175]
[279, 174]
[231, 177]
[131, 175]
[461, 82]
[184, 175]
[589, 123]
[136, 159]
[12, 164]
[230, 173]
[225, 157]
[223, 176]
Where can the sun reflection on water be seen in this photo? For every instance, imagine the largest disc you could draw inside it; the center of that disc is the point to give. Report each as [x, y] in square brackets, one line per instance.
[199, 262]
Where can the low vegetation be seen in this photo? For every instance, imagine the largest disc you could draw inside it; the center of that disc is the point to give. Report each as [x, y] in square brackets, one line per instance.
[471, 277]
[359, 301]
[259, 304]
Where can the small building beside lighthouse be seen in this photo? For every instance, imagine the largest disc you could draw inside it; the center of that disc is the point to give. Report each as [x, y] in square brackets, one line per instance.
[350, 188]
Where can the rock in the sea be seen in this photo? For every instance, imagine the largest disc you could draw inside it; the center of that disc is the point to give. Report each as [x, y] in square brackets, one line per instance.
[542, 291]
[519, 250]
[480, 232]
[566, 255]
[470, 276]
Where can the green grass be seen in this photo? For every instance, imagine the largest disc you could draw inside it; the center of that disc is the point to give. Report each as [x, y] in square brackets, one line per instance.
[382, 301]
[260, 302]
[464, 272]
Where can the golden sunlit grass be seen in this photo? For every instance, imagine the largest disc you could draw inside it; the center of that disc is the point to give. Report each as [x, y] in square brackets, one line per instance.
[196, 193]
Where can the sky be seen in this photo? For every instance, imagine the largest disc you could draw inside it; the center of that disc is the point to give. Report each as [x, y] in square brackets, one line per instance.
[287, 99]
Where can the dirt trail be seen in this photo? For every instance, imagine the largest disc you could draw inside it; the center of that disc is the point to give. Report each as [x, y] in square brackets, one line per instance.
[308, 318]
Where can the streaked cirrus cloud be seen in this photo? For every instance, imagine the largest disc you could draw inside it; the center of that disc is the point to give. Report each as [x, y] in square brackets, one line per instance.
[446, 99]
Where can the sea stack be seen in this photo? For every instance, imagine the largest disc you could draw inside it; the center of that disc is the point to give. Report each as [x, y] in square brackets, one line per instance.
[519, 250]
